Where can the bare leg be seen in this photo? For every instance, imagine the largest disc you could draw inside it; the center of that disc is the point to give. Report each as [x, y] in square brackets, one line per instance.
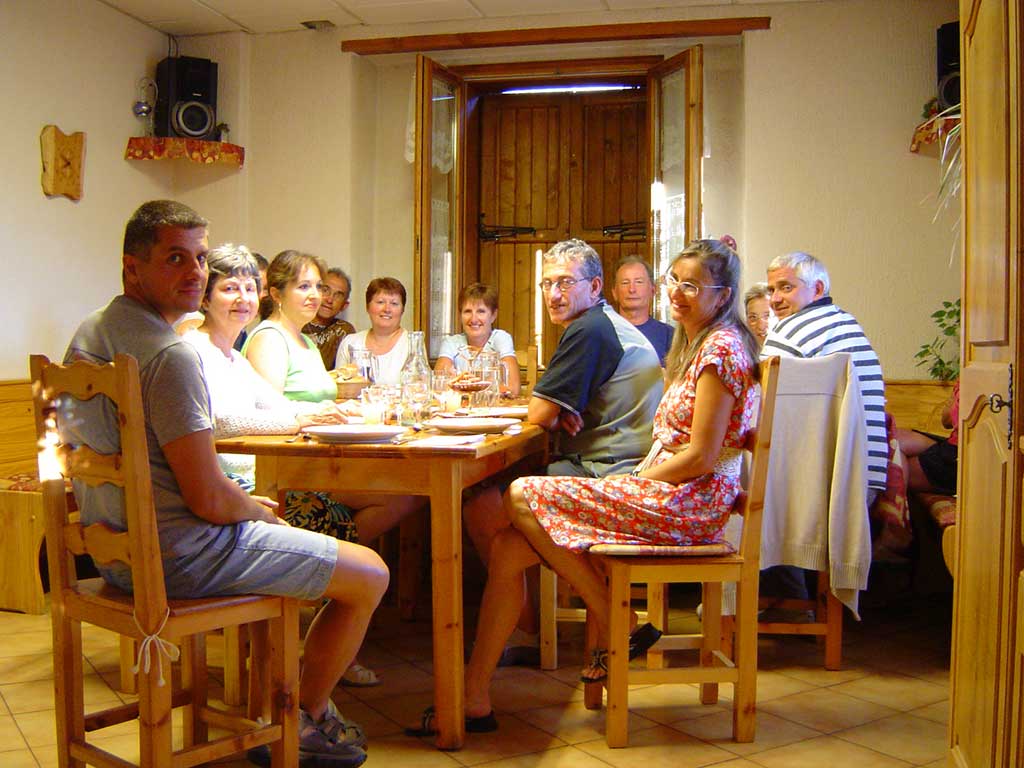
[484, 518]
[377, 514]
[499, 611]
[913, 443]
[356, 587]
[576, 568]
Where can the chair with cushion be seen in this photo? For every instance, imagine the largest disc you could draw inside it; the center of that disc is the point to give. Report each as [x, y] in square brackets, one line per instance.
[148, 616]
[710, 565]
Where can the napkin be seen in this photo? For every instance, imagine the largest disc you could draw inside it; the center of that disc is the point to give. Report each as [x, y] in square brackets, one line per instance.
[447, 441]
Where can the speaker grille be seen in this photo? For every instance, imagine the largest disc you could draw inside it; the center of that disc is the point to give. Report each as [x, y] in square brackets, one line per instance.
[192, 119]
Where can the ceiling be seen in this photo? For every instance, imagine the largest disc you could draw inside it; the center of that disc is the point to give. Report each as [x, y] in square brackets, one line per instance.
[198, 17]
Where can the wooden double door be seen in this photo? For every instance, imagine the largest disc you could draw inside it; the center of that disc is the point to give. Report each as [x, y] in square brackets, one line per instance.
[499, 178]
[563, 165]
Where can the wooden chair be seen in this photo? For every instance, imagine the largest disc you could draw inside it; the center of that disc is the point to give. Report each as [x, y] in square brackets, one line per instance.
[711, 566]
[146, 615]
[527, 360]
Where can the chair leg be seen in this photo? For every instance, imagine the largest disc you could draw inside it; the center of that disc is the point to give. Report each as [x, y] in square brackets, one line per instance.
[548, 620]
[411, 535]
[744, 705]
[259, 678]
[616, 731]
[711, 635]
[284, 678]
[833, 616]
[593, 693]
[126, 653]
[68, 689]
[235, 642]
[195, 680]
[657, 614]
[155, 742]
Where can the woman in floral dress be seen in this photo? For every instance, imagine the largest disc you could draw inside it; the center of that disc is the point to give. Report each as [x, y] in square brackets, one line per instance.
[682, 494]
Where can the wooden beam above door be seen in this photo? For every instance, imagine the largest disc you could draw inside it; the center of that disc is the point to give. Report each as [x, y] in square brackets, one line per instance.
[648, 30]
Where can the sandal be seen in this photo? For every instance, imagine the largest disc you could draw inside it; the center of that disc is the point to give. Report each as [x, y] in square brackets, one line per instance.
[640, 641]
[598, 662]
[482, 724]
[358, 676]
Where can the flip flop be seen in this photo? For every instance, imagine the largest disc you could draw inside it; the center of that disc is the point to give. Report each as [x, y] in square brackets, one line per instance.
[641, 639]
[482, 724]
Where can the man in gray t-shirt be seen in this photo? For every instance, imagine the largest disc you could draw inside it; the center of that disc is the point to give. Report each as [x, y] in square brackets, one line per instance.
[214, 539]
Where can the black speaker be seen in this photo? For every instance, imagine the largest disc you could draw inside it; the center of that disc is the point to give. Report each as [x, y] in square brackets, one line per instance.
[186, 102]
[947, 64]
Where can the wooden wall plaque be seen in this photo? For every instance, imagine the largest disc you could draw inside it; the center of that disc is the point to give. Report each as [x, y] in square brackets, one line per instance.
[62, 157]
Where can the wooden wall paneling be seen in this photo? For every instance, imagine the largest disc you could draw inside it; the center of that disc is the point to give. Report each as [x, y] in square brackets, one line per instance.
[471, 256]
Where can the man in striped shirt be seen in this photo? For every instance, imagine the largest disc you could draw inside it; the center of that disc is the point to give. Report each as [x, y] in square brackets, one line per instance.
[810, 325]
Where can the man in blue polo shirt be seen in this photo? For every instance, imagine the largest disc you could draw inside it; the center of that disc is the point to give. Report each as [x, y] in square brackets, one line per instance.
[597, 397]
[603, 383]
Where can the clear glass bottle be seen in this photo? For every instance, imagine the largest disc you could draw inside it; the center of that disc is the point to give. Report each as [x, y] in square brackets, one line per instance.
[415, 380]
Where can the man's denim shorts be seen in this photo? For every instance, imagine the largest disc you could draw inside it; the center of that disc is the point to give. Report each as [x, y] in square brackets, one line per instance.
[259, 558]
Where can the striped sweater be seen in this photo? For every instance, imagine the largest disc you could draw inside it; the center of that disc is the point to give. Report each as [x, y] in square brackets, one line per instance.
[821, 328]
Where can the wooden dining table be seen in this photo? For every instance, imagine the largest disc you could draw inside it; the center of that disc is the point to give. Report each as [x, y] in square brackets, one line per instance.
[439, 473]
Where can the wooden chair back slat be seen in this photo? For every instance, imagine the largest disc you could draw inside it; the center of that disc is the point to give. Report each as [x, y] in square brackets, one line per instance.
[139, 545]
[92, 468]
[753, 503]
[101, 542]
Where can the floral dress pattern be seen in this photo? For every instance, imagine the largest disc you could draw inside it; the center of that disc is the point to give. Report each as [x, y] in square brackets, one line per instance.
[621, 509]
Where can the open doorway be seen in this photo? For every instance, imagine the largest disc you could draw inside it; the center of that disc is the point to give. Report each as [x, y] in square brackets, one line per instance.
[500, 176]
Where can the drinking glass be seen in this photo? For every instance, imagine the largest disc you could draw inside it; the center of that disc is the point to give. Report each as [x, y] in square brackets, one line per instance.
[486, 398]
[364, 362]
[447, 398]
[374, 404]
[415, 402]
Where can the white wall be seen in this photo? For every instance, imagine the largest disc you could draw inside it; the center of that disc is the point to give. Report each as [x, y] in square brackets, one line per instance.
[831, 96]
[74, 64]
[312, 141]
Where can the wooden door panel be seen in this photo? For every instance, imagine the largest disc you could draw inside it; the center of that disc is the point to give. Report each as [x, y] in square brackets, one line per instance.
[614, 160]
[524, 149]
[986, 173]
[981, 587]
[986, 666]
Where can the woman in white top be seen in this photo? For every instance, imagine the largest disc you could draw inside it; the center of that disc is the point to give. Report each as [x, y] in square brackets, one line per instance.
[387, 340]
[478, 308]
[244, 402]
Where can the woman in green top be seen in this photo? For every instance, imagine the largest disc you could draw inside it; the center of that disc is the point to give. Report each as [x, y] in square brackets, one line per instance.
[277, 348]
[291, 362]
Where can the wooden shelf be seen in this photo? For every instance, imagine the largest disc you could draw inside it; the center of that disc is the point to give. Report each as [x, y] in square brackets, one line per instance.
[931, 131]
[194, 150]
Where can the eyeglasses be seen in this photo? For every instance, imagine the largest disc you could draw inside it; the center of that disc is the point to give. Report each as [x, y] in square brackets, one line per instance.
[690, 290]
[563, 283]
[329, 293]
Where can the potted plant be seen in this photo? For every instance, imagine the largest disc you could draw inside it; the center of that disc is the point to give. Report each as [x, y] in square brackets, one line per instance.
[942, 354]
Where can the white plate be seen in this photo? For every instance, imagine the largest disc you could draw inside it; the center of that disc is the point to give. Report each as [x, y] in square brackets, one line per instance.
[504, 412]
[468, 424]
[354, 433]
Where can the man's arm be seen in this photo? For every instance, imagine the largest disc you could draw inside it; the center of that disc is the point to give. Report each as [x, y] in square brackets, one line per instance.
[543, 413]
[204, 486]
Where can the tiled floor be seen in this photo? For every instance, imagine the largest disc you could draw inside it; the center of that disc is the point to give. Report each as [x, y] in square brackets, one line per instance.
[888, 707]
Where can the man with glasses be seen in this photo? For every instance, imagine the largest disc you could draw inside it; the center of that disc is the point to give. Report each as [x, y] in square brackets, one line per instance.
[811, 325]
[326, 330]
[597, 396]
[633, 292]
